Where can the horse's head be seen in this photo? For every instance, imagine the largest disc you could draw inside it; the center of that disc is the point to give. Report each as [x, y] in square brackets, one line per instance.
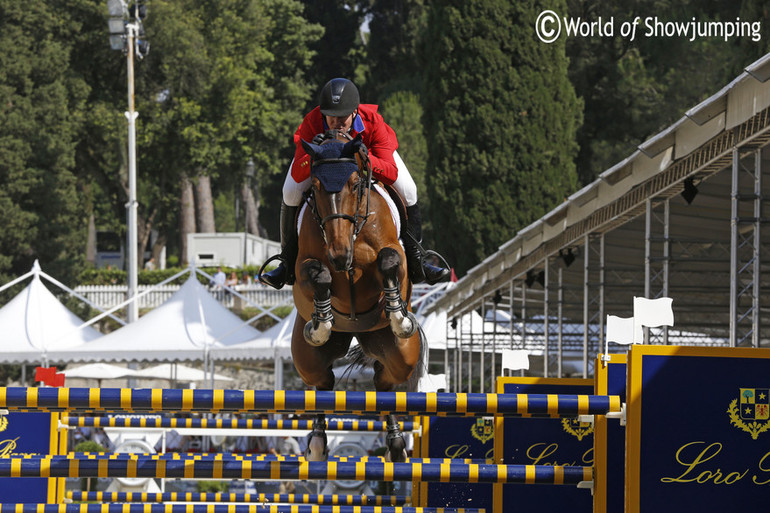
[340, 192]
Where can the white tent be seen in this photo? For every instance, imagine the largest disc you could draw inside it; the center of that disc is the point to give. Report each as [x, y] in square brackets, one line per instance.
[98, 371]
[186, 327]
[272, 343]
[177, 372]
[434, 326]
[35, 323]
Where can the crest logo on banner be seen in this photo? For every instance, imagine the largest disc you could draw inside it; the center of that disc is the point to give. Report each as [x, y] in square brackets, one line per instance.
[3, 423]
[483, 430]
[576, 428]
[751, 411]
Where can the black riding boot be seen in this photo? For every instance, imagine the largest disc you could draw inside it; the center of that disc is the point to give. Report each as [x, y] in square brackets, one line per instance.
[419, 269]
[284, 273]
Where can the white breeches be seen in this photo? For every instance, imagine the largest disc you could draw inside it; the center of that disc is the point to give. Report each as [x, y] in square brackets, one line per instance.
[404, 184]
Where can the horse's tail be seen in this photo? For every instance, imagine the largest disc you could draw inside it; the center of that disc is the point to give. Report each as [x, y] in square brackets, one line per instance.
[421, 369]
[357, 360]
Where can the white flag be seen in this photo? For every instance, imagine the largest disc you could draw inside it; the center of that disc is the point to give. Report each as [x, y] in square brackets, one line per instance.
[653, 312]
[432, 383]
[621, 330]
[515, 359]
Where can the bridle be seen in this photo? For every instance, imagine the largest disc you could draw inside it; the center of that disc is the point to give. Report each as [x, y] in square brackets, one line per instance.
[362, 189]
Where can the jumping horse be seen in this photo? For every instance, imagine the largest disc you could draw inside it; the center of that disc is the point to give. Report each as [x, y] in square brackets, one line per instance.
[351, 281]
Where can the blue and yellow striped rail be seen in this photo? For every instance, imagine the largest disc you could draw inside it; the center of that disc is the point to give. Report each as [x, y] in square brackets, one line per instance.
[61, 466]
[219, 508]
[292, 498]
[226, 456]
[282, 401]
[166, 422]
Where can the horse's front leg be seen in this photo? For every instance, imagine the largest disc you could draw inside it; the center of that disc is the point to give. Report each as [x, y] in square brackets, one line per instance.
[318, 329]
[402, 322]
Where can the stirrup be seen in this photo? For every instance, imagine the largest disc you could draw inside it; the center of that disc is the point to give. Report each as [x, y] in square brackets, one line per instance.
[442, 269]
[421, 253]
[286, 271]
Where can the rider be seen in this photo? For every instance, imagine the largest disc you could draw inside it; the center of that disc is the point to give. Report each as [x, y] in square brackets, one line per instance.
[340, 109]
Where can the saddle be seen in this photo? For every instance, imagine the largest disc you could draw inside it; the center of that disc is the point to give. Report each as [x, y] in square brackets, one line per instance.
[400, 207]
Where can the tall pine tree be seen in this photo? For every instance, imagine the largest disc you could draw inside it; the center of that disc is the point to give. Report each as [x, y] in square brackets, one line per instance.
[500, 118]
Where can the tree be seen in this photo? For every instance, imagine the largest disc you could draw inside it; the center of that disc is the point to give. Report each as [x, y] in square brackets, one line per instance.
[634, 89]
[500, 119]
[222, 85]
[41, 105]
[337, 53]
[403, 112]
[395, 26]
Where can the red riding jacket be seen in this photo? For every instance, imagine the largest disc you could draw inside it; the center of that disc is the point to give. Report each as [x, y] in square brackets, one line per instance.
[378, 137]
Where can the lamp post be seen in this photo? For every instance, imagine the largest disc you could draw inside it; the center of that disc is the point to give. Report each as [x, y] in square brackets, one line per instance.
[125, 28]
[250, 173]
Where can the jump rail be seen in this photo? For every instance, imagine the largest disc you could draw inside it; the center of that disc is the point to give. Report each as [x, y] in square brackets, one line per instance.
[219, 508]
[63, 466]
[280, 401]
[166, 422]
[335, 500]
[227, 456]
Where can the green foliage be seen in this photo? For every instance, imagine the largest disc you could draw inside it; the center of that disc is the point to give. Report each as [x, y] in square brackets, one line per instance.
[118, 277]
[403, 112]
[89, 446]
[395, 27]
[500, 119]
[632, 90]
[335, 52]
[41, 114]
[212, 486]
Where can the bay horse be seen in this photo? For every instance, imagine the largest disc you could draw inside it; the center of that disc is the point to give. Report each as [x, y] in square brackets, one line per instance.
[351, 281]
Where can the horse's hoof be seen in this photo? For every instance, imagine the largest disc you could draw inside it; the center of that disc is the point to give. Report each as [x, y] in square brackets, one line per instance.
[400, 458]
[311, 336]
[406, 327]
[316, 448]
[396, 444]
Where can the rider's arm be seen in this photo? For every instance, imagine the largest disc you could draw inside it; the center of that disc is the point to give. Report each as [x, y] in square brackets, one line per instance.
[311, 125]
[382, 142]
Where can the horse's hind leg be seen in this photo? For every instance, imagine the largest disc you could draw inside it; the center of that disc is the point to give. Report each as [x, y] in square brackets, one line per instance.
[318, 329]
[402, 322]
[317, 443]
[314, 366]
[397, 360]
[394, 441]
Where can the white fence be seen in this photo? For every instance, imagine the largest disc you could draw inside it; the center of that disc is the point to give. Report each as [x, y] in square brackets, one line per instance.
[108, 296]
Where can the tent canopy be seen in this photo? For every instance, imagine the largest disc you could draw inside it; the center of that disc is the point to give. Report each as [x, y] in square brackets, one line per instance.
[176, 372]
[35, 324]
[272, 343]
[185, 327]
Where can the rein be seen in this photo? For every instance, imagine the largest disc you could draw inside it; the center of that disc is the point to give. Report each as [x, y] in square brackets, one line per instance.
[362, 187]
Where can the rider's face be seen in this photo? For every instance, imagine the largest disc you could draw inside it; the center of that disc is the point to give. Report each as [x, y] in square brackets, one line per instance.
[340, 123]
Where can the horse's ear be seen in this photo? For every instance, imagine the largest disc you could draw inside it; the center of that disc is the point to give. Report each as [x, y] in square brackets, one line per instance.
[310, 149]
[351, 147]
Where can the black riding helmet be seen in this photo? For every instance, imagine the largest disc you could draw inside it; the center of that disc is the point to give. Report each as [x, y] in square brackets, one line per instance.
[339, 98]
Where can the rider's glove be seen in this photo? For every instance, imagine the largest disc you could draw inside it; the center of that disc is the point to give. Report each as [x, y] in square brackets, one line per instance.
[359, 146]
[318, 139]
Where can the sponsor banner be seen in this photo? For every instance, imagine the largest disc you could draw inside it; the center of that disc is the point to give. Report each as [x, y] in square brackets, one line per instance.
[543, 441]
[458, 438]
[609, 439]
[698, 434]
[22, 434]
